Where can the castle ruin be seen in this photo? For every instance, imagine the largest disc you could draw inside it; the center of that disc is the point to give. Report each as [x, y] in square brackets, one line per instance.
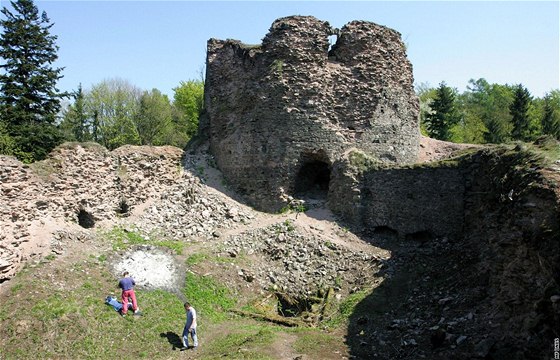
[281, 114]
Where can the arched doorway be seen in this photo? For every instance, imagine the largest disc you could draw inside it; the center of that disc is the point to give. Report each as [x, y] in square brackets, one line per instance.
[313, 179]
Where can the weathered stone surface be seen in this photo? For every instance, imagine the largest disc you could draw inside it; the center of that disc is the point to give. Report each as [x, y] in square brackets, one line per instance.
[77, 183]
[276, 108]
[300, 264]
[418, 203]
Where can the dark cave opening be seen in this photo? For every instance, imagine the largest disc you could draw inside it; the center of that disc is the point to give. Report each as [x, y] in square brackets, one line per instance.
[85, 219]
[123, 208]
[385, 232]
[292, 307]
[313, 180]
[420, 236]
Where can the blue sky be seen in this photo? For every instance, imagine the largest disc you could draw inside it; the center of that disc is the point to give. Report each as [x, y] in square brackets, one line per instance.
[157, 44]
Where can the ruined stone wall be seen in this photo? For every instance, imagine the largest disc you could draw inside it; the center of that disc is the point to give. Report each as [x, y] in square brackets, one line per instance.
[75, 180]
[274, 107]
[419, 202]
[512, 219]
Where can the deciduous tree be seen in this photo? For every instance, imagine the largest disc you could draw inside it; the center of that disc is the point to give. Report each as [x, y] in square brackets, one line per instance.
[155, 118]
[189, 100]
[113, 105]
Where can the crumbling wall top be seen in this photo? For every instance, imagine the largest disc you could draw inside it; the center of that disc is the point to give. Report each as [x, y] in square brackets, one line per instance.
[299, 38]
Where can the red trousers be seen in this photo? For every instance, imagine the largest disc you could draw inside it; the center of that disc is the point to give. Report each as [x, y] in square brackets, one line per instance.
[124, 297]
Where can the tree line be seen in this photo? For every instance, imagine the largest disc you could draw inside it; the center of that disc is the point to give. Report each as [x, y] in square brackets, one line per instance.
[487, 113]
[112, 113]
[115, 112]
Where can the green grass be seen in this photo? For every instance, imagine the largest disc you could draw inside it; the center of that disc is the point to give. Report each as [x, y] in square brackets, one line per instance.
[58, 311]
[195, 259]
[209, 297]
[347, 308]
[122, 239]
[547, 148]
[74, 322]
[245, 342]
[310, 342]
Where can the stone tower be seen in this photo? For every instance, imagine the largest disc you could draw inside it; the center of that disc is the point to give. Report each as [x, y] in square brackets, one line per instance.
[281, 113]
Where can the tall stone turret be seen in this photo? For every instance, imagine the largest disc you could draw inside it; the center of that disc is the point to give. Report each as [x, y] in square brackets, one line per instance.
[281, 113]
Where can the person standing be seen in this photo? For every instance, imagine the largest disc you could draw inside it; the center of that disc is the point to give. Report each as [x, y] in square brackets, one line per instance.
[190, 327]
[127, 285]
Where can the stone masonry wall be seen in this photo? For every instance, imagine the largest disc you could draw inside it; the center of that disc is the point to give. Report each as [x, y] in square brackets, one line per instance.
[418, 202]
[275, 107]
[37, 200]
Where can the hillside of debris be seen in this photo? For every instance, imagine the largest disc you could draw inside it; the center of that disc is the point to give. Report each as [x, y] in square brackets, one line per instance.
[168, 215]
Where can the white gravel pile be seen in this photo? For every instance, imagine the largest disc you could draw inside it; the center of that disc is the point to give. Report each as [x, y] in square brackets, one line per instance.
[150, 268]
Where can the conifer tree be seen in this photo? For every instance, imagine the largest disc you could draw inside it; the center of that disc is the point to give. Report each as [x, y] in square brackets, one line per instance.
[76, 121]
[519, 110]
[551, 117]
[444, 113]
[29, 99]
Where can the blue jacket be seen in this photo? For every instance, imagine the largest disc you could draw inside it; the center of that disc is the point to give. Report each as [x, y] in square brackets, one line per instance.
[117, 305]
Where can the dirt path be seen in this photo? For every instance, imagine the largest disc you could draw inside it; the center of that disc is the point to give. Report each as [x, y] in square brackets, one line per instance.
[283, 347]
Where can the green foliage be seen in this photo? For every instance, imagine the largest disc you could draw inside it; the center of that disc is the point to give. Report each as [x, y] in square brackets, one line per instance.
[277, 67]
[491, 113]
[113, 104]
[550, 120]
[289, 225]
[29, 100]
[490, 103]
[189, 101]
[28, 91]
[298, 208]
[7, 143]
[444, 114]
[76, 122]
[519, 110]
[426, 96]
[362, 162]
[115, 113]
[470, 129]
[154, 120]
[34, 141]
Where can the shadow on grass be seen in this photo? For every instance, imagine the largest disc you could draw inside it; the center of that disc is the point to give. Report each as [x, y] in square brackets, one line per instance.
[173, 339]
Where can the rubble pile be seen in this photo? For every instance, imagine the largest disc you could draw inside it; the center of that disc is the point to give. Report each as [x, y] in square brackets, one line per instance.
[188, 210]
[300, 264]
